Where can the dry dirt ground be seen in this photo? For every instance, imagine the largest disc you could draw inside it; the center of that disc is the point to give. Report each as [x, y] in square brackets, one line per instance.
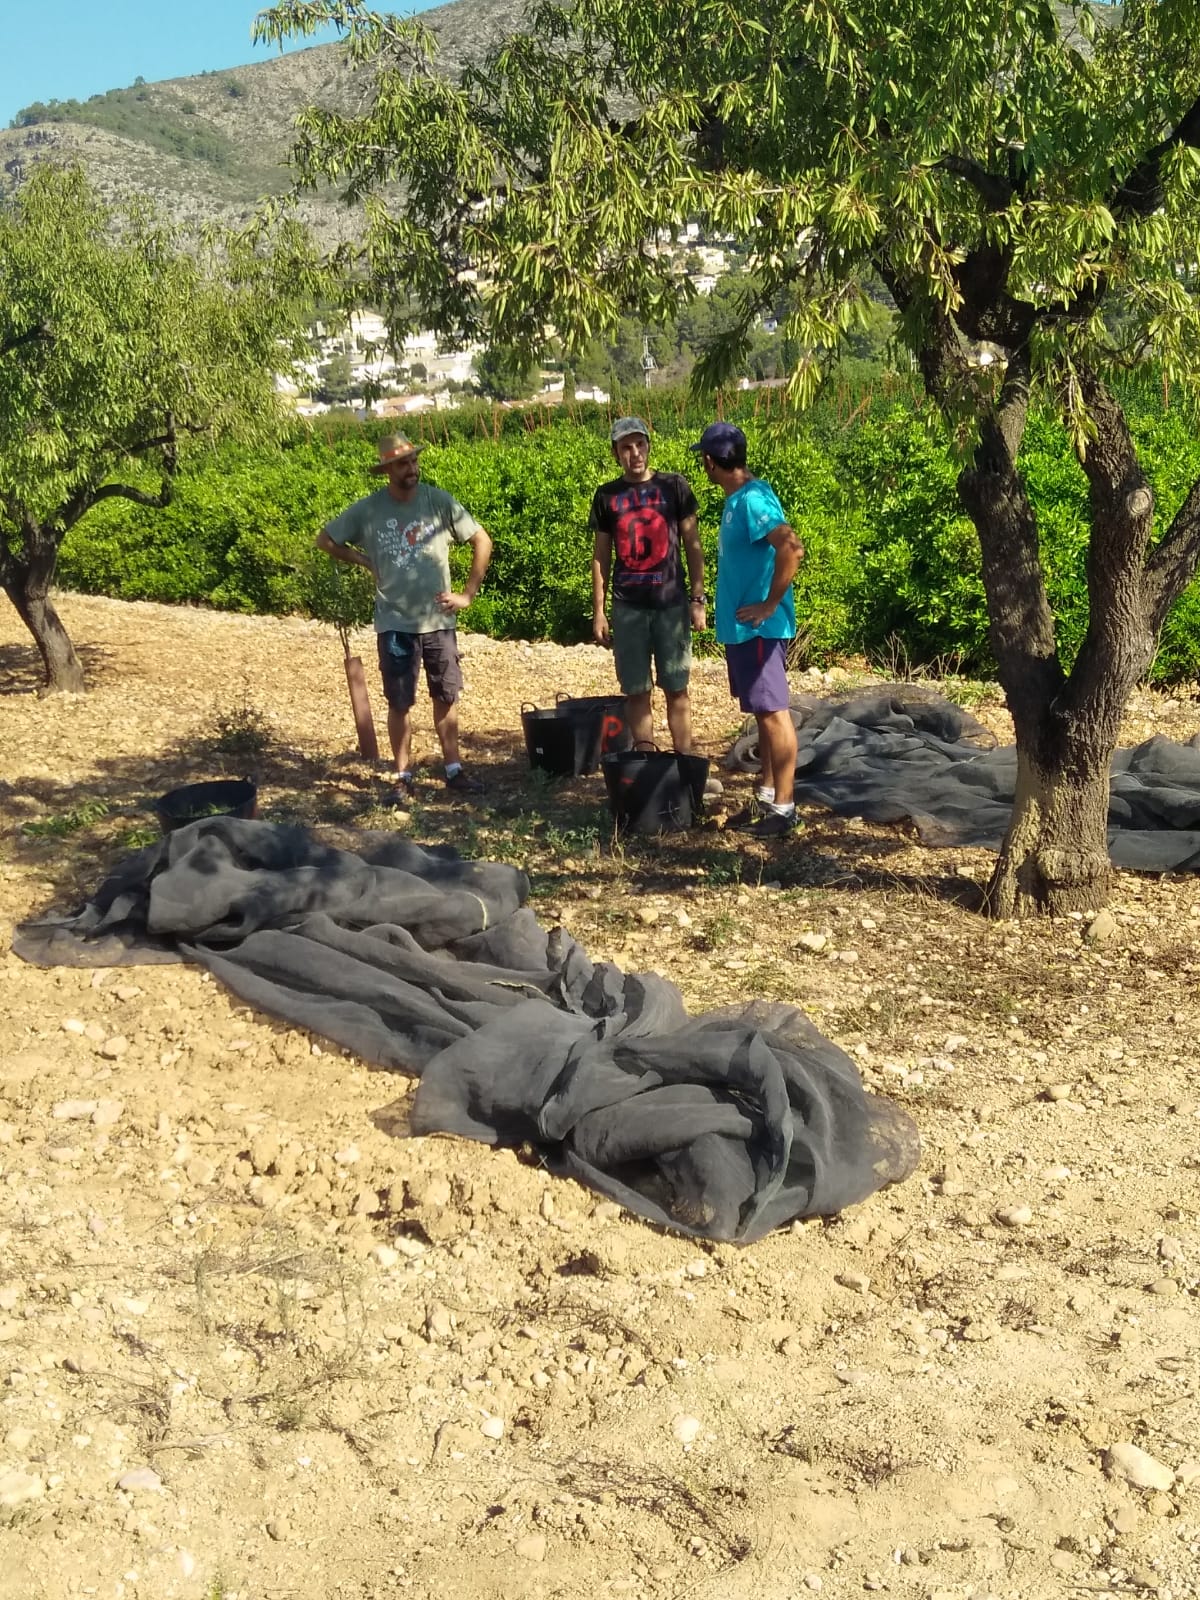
[254, 1344]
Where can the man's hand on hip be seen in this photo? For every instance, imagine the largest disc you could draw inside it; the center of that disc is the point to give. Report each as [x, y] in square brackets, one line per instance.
[755, 616]
[451, 602]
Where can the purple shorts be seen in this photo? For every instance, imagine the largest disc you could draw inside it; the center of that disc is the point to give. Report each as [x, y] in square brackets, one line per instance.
[758, 674]
[400, 659]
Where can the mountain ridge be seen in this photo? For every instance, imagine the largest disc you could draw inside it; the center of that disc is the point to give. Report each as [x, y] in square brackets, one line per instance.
[209, 147]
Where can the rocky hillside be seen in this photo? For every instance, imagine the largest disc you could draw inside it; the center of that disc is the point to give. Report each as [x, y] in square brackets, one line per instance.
[207, 148]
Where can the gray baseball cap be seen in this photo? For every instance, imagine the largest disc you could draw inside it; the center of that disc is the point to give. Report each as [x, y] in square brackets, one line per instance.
[625, 427]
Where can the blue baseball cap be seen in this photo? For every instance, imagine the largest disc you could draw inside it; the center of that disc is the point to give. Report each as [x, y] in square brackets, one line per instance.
[721, 440]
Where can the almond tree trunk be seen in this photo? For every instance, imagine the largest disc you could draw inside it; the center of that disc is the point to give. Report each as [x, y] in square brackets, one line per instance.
[1055, 854]
[27, 583]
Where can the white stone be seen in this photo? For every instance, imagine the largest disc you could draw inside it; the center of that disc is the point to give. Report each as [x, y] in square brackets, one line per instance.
[73, 1110]
[1132, 1465]
[686, 1429]
[1101, 928]
[492, 1428]
[18, 1487]
[858, 1281]
[140, 1479]
[438, 1322]
[1015, 1216]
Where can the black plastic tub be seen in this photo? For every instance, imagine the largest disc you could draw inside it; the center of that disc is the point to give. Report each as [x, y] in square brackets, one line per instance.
[654, 791]
[567, 739]
[604, 715]
[225, 797]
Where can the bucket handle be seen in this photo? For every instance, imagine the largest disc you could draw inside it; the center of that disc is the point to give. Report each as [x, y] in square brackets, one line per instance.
[647, 744]
[528, 705]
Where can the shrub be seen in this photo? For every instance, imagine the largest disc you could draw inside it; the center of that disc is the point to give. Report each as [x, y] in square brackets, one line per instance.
[892, 564]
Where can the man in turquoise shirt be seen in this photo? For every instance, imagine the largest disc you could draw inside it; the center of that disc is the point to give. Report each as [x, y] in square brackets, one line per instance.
[758, 556]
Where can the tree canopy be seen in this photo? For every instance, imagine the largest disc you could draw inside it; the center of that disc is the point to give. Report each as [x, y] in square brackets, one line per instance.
[1023, 176]
[120, 351]
[1050, 144]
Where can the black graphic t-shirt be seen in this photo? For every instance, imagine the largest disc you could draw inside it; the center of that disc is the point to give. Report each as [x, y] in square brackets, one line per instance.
[643, 520]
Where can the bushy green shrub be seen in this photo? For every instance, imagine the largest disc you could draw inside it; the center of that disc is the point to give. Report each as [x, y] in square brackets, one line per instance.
[892, 568]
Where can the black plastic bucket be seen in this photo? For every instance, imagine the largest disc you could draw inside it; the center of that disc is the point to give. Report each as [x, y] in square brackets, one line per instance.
[654, 791]
[567, 740]
[226, 797]
[552, 743]
[605, 716]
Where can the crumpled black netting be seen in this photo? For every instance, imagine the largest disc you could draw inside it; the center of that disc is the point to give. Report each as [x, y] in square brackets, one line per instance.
[724, 1125]
[904, 753]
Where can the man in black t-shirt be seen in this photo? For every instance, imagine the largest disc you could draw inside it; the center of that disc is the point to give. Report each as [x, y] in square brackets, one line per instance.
[645, 527]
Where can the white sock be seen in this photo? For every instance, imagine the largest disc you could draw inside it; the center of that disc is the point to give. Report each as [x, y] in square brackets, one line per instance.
[766, 794]
[784, 811]
[453, 768]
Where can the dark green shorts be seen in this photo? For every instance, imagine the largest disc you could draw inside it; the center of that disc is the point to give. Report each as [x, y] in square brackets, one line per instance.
[641, 634]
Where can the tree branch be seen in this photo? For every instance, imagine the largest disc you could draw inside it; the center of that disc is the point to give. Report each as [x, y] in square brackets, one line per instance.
[995, 192]
[941, 357]
[1119, 641]
[1172, 565]
[89, 496]
[18, 339]
[1141, 193]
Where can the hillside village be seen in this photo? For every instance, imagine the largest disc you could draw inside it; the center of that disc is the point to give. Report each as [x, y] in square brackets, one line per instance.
[207, 148]
[353, 365]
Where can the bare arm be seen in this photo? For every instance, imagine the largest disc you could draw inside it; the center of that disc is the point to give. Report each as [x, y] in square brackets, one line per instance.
[693, 551]
[481, 555]
[342, 552]
[789, 553]
[601, 574]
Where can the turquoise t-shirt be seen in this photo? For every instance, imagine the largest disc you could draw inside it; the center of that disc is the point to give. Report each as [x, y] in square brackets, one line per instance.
[407, 543]
[746, 565]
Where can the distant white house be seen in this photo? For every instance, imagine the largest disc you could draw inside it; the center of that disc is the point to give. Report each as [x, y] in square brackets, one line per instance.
[367, 327]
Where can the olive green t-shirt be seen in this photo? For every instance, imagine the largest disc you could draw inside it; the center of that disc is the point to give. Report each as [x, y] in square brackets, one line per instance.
[407, 543]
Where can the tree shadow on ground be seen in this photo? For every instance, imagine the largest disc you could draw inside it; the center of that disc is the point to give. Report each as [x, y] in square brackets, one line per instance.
[71, 832]
[22, 672]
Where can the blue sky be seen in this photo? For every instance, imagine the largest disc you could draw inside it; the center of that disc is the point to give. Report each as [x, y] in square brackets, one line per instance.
[70, 49]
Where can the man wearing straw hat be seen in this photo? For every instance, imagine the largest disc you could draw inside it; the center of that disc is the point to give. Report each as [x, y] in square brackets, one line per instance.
[402, 535]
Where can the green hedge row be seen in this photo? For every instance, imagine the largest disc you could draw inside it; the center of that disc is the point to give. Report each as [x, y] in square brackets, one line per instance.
[892, 572]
